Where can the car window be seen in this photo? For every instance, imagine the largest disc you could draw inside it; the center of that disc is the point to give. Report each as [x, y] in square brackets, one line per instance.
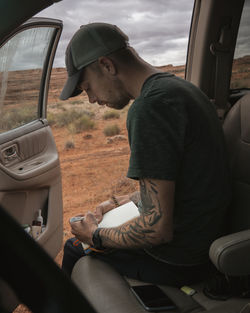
[21, 68]
[241, 65]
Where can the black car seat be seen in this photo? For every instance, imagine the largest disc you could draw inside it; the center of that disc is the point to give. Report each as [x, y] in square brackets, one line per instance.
[109, 292]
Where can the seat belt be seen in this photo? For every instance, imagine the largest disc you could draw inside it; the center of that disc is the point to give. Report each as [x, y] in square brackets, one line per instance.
[246, 309]
[221, 50]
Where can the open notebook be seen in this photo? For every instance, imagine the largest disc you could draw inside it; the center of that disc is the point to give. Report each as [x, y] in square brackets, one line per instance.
[118, 216]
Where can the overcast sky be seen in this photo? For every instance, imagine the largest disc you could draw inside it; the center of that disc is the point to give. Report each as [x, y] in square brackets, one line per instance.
[158, 29]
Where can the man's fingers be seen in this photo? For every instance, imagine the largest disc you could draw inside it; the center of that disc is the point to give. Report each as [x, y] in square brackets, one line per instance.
[90, 218]
[98, 210]
[75, 227]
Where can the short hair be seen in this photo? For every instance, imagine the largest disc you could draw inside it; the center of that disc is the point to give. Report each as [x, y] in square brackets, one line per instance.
[125, 55]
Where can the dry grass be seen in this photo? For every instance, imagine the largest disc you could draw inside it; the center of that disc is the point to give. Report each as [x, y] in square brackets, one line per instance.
[81, 124]
[111, 130]
[69, 144]
[111, 114]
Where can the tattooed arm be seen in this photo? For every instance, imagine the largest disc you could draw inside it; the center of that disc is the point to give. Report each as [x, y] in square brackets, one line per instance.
[135, 197]
[155, 224]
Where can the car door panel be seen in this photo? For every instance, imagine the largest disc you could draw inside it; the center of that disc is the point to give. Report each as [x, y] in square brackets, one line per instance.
[33, 154]
[30, 176]
[28, 183]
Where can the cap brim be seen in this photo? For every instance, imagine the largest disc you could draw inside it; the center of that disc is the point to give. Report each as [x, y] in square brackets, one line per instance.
[70, 87]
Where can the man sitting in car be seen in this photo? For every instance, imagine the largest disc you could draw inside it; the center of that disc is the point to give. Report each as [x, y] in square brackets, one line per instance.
[177, 154]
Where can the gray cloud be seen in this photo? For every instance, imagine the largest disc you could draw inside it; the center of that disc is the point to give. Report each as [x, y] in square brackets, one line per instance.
[157, 30]
[26, 50]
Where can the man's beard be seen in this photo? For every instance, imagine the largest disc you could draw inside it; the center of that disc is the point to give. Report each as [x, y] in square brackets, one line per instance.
[121, 99]
[120, 103]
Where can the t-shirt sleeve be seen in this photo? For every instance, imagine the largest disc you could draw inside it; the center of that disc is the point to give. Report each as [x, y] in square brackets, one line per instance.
[157, 136]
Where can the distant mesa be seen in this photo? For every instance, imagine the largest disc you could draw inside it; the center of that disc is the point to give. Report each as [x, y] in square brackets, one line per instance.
[23, 86]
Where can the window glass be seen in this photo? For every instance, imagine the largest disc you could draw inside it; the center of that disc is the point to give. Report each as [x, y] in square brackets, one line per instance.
[21, 65]
[241, 65]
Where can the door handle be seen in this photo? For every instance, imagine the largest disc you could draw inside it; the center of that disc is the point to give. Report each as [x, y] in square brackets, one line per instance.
[10, 153]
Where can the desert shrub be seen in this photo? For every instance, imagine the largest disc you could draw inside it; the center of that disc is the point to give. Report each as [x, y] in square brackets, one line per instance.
[69, 145]
[15, 117]
[51, 117]
[70, 116]
[88, 113]
[110, 115]
[82, 123]
[75, 102]
[111, 130]
[55, 105]
[66, 117]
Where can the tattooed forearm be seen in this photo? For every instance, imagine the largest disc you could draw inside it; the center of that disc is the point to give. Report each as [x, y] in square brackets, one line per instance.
[129, 235]
[143, 230]
[150, 202]
[135, 197]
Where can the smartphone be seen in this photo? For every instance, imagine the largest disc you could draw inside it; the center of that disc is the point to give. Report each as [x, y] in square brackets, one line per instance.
[152, 298]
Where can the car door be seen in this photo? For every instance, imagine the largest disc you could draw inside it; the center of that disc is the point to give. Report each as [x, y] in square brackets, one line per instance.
[30, 177]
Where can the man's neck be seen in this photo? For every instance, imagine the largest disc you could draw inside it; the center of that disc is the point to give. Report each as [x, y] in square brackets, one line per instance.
[134, 77]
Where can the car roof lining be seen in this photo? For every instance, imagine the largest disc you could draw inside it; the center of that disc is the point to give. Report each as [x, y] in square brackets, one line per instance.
[14, 12]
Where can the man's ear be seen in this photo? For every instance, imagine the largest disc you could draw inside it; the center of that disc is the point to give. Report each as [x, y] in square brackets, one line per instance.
[107, 65]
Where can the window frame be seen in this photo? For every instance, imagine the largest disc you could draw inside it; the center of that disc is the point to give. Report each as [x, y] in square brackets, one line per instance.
[40, 121]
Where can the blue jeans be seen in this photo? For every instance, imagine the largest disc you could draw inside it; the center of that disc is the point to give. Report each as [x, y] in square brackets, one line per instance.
[137, 264]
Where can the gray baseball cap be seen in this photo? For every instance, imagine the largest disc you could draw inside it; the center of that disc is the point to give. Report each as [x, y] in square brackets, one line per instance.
[89, 43]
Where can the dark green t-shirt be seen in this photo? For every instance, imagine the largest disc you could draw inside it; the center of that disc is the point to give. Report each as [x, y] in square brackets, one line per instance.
[175, 134]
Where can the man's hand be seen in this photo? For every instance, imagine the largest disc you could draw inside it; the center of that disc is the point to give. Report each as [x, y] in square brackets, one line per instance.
[103, 208]
[84, 229]
[109, 205]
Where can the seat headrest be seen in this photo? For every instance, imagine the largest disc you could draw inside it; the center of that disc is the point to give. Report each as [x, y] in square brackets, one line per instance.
[237, 120]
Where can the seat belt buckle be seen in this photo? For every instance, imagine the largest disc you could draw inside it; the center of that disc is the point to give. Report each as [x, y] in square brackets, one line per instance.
[188, 290]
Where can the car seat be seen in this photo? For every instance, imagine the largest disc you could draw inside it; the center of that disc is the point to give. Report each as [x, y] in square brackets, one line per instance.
[109, 292]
